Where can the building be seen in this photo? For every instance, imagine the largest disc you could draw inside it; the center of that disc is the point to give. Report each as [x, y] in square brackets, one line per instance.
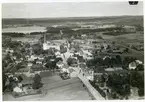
[63, 48]
[17, 89]
[98, 77]
[39, 62]
[106, 26]
[48, 46]
[129, 28]
[138, 62]
[90, 74]
[9, 50]
[87, 54]
[60, 64]
[132, 65]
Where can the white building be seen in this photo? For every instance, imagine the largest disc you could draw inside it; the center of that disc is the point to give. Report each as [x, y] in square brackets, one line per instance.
[48, 46]
[138, 62]
[132, 65]
[17, 89]
[87, 55]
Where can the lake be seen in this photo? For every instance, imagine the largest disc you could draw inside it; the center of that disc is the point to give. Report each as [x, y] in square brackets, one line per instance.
[24, 29]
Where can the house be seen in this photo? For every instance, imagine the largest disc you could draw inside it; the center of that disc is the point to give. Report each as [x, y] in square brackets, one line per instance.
[57, 54]
[82, 65]
[118, 68]
[48, 46]
[38, 62]
[89, 74]
[109, 69]
[17, 89]
[106, 57]
[29, 64]
[83, 36]
[18, 61]
[87, 55]
[32, 58]
[9, 50]
[65, 70]
[105, 45]
[138, 62]
[97, 46]
[132, 65]
[60, 64]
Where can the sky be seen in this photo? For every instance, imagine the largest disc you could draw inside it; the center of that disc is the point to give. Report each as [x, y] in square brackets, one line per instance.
[69, 9]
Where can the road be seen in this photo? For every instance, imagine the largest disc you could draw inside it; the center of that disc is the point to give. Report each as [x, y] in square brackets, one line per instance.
[91, 89]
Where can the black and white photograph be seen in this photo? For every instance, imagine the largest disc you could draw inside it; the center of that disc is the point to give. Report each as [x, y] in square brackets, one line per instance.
[57, 51]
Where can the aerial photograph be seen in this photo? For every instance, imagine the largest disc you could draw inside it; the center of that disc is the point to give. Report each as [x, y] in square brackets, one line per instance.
[72, 51]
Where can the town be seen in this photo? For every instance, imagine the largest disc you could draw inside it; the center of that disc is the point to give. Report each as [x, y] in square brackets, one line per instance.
[105, 65]
[72, 51]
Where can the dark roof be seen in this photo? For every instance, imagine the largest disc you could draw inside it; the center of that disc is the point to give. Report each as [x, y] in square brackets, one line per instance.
[23, 70]
[37, 67]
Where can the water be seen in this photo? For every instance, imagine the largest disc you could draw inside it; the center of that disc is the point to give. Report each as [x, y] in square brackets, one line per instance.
[24, 29]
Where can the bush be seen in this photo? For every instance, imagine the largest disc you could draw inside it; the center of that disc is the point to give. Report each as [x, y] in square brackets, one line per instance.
[37, 82]
[98, 89]
[141, 92]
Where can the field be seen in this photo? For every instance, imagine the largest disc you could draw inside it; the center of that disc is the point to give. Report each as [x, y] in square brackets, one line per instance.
[56, 89]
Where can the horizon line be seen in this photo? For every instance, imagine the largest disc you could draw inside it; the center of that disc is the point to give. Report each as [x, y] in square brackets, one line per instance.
[69, 17]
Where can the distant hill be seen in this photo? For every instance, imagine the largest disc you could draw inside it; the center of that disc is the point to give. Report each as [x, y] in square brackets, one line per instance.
[120, 20]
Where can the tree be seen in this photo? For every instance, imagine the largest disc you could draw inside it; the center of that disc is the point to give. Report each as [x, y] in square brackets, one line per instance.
[20, 78]
[100, 37]
[107, 61]
[108, 47]
[119, 84]
[12, 83]
[113, 61]
[141, 92]
[90, 63]
[137, 80]
[37, 49]
[113, 42]
[77, 47]
[118, 59]
[69, 61]
[4, 64]
[23, 50]
[17, 54]
[126, 50]
[99, 61]
[140, 67]
[58, 59]
[63, 49]
[125, 62]
[4, 77]
[27, 45]
[102, 47]
[37, 82]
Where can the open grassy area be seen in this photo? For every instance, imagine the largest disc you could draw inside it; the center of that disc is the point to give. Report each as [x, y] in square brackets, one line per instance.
[56, 89]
